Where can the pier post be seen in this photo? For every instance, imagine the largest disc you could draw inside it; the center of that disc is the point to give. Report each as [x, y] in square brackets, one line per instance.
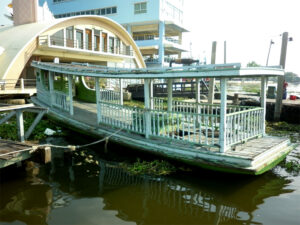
[222, 136]
[280, 80]
[20, 125]
[147, 108]
[263, 102]
[70, 81]
[170, 94]
[98, 99]
[211, 91]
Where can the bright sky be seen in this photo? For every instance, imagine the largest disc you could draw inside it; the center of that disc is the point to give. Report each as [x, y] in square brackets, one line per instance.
[246, 25]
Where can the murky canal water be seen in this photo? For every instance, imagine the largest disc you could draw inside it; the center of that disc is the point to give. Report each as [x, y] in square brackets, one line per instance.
[90, 188]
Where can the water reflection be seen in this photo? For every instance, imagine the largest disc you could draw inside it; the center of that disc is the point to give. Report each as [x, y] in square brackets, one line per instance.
[192, 199]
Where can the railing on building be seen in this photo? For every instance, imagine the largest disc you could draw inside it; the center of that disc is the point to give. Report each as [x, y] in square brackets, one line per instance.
[22, 84]
[45, 40]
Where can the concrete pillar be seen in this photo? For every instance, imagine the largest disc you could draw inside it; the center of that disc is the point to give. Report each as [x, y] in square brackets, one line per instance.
[222, 137]
[128, 28]
[161, 49]
[93, 40]
[65, 37]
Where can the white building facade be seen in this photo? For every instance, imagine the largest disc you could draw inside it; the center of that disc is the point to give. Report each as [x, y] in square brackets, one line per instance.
[155, 25]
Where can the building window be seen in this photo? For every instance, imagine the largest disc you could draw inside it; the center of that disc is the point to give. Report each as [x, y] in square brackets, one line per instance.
[103, 11]
[140, 7]
[58, 1]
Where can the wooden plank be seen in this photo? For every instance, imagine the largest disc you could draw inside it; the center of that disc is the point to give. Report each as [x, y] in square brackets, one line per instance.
[14, 107]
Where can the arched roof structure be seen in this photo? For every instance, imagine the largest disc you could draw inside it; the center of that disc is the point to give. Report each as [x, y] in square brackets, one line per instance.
[20, 42]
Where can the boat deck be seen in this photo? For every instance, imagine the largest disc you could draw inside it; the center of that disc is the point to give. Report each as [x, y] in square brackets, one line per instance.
[249, 157]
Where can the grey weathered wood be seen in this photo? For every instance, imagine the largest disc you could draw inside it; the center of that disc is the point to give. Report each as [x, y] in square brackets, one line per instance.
[14, 107]
[280, 80]
[222, 138]
[7, 117]
[34, 123]
[211, 91]
[20, 125]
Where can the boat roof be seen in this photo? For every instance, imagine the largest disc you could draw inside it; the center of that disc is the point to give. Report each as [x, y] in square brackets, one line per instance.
[231, 70]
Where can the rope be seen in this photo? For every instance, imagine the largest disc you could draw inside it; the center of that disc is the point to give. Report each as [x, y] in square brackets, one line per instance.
[72, 147]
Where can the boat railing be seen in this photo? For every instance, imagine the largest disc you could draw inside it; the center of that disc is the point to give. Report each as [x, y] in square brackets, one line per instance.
[109, 96]
[243, 125]
[125, 117]
[189, 127]
[60, 100]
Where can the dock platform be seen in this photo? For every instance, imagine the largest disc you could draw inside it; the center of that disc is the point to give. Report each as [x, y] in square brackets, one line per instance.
[12, 152]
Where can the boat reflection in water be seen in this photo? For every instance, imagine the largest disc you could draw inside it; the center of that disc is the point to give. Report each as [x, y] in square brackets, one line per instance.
[62, 190]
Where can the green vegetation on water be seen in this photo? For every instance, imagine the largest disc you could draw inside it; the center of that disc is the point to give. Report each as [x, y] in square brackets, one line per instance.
[156, 167]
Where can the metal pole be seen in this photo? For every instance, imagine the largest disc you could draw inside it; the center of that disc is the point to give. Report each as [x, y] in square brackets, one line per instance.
[212, 80]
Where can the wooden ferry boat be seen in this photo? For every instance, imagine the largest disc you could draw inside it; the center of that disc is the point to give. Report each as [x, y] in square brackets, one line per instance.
[220, 137]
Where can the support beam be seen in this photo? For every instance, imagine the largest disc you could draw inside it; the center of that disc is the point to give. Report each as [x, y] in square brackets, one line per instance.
[7, 117]
[211, 92]
[98, 99]
[263, 101]
[70, 82]
[147, 107]
[280, 80]
[121, 91]
[170, 94]
[35, 122]
[222, 136]
[20, 125]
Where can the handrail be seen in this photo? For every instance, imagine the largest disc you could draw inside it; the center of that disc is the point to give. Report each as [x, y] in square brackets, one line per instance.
[87, 46]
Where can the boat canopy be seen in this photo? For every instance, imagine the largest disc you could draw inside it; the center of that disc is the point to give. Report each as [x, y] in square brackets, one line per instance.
[230, 70]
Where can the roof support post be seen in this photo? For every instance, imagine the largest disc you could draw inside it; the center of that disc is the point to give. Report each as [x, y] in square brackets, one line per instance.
[20, 125]
[222, 136]
[211, 92]
[147, 108]
[70, 82]
[51, 87]
[151, 95]
[121, 91]
[170, 94]
[65, 37]
[198, 92]
[98, 99]
[263, 102]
